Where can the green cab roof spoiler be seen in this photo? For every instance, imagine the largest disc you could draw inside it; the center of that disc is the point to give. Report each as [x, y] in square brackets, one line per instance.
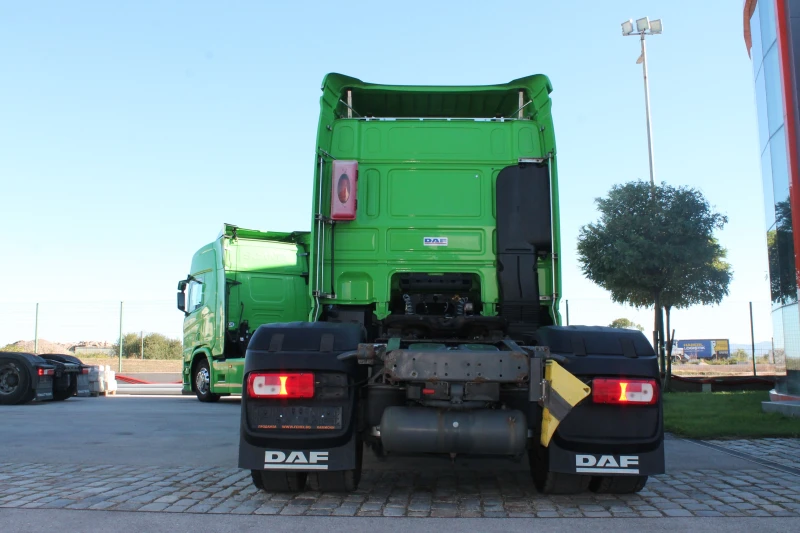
[424, 101]
[235, 232]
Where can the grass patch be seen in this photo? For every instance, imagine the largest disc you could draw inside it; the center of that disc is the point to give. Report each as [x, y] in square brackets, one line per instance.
[724, 415]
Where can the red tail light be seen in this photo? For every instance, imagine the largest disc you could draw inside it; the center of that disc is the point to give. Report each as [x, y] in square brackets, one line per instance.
[46, 372]
[625, 391]
[299, 385]
[344, 181]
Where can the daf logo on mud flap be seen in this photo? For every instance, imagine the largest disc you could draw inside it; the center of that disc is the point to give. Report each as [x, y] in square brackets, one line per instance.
[434, 241]
[607, 464]
[276, 460]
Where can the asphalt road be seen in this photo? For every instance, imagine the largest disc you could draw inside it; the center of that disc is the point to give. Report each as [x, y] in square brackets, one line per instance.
[43, 521]
[180, 431]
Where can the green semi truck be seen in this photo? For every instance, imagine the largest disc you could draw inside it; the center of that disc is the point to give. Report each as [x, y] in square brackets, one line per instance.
[420, 313]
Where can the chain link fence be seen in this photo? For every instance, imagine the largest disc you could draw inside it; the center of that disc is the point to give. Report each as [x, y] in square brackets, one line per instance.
[151, 332]
[748, 340]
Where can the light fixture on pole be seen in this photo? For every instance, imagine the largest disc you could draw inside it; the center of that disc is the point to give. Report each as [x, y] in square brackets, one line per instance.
[645, 26]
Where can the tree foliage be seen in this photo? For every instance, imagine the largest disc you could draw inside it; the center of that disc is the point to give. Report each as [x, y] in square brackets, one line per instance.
[156, 346]
[625, 323]
[640, 248]
[656, 247]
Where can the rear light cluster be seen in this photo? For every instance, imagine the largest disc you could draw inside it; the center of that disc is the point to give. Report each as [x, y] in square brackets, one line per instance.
[344, 190]
[286, 385]
[625, 391]
[46, 371]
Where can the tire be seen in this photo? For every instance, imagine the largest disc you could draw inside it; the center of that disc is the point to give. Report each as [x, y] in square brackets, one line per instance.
[547, 482]
[15, 384]
[201, 376]
[59, 395]
[276, 481]
[617, 484]
[342, 480]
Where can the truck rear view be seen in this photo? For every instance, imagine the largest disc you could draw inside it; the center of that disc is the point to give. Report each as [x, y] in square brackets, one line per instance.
[433, 282]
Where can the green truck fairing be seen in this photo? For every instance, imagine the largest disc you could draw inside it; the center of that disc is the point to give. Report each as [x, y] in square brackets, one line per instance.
[428, 162]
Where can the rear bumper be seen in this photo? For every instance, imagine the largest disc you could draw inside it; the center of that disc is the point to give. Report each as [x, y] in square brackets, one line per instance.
[634, 463]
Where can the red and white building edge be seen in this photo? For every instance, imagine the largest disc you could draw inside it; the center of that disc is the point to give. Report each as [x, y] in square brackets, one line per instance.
[772, 38]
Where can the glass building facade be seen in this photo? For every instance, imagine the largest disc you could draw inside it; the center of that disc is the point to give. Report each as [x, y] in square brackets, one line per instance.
[768, 35]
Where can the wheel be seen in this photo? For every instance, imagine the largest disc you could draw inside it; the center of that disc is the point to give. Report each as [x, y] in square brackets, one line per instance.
[548, 482]
[342, 480]
[59, 395]
[276, 481]
[15, 384]
[257, 483]
[617, 484]
[377, 450]
[202, 382]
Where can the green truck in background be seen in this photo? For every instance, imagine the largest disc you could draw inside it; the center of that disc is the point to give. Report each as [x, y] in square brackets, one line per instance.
[420, 313]
[243, 279]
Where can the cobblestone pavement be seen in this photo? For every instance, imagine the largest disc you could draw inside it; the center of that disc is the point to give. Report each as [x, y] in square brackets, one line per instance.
[782, 451]
[702, 493]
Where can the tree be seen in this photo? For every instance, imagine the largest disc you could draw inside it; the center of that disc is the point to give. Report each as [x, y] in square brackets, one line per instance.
[156, 346]
[625, 324]
[131, 346]
[656, 247]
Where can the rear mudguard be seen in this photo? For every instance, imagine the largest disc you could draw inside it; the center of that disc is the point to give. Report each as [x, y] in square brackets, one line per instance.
[604, 439]
[303, 347]
[636, 463]
[42, 385]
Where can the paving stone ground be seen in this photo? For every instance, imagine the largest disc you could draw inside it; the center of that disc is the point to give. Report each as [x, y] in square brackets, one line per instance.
[702, 493]
[782, 451]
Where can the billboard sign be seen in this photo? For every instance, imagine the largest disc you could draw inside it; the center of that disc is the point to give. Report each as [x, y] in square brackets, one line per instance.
[705, 348]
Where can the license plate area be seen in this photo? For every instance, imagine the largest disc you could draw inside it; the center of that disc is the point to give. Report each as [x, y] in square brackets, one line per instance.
[297, 418]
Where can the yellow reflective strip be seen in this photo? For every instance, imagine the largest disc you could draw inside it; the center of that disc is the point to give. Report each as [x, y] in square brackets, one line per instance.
[283, 386]
[622, 396]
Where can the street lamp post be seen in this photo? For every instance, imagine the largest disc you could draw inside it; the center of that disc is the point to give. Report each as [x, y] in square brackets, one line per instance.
[645, 27]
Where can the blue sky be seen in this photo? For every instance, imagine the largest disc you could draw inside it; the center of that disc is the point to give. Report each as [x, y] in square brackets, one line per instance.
[129, 132]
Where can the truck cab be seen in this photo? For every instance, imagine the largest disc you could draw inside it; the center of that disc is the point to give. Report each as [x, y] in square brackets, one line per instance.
[244, 279]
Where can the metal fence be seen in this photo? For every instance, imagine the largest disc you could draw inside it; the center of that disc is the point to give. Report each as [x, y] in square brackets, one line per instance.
[92, 331]
[731, 320]
[91, 328]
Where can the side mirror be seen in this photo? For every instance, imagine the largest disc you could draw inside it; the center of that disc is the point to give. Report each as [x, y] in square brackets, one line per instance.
[182, 285]
[182, 302]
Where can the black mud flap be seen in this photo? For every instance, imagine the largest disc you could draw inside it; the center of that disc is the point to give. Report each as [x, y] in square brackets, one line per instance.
[44, 388]
[303, 460]
[304, 434]
[645, 463]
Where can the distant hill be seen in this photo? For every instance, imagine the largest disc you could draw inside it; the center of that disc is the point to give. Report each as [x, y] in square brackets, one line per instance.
[46, 346]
